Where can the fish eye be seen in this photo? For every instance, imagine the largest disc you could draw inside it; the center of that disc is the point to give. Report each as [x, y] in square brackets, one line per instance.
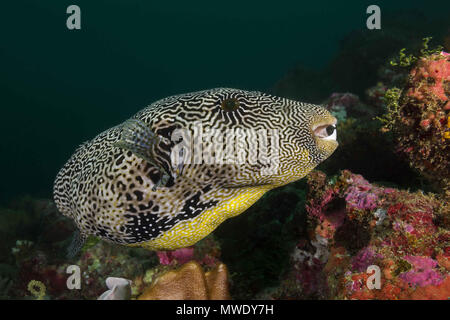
[330, 129]
[230, 104]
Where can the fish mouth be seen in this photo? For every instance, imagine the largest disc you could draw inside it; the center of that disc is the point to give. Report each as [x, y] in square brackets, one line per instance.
[325, 130]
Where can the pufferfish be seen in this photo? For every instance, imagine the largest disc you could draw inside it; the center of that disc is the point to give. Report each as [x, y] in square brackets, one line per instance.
[142, 183]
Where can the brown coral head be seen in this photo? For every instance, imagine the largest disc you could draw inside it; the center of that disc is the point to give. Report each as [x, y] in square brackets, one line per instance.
[190, 282]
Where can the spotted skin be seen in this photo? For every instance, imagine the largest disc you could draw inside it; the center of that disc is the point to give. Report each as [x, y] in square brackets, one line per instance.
[107, 190]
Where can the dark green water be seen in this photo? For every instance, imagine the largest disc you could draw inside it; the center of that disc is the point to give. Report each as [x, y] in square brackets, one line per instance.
[59, 87]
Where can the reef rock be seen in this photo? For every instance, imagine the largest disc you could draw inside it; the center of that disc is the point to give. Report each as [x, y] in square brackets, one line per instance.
[353, 225]
[418, 115]
[190, 282]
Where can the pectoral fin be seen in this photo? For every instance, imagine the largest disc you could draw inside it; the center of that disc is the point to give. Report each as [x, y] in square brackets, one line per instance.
[138, 138]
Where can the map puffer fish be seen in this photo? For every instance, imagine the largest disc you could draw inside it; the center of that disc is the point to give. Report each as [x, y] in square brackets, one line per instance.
[142, 183]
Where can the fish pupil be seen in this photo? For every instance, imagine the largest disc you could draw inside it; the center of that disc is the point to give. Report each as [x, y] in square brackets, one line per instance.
[330, 129]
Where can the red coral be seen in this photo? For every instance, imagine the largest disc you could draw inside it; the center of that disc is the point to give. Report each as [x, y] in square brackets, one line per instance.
[420, 120]
[434, 75]
[431, 292]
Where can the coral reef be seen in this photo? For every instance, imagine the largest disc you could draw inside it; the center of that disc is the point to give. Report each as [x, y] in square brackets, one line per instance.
[363, 148]
[104, 262]
[180, 256]
[375, 95]
[343, 105]
[418, 115]
[33, 235]
[205, 252]
[256, 244]
[33, 252]
[360, 139]
[353, 224]
[324, 238]
[190, 282]
[96, 264]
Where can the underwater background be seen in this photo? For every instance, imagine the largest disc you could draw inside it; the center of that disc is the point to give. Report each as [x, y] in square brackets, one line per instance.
[381, 198]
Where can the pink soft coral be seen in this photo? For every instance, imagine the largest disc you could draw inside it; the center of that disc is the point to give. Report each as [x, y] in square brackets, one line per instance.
[365, 258]
[362, 195]
[423, 272]
[180, 255]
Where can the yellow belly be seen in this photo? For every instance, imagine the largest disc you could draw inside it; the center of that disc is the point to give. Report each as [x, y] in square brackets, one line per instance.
[189, 232]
